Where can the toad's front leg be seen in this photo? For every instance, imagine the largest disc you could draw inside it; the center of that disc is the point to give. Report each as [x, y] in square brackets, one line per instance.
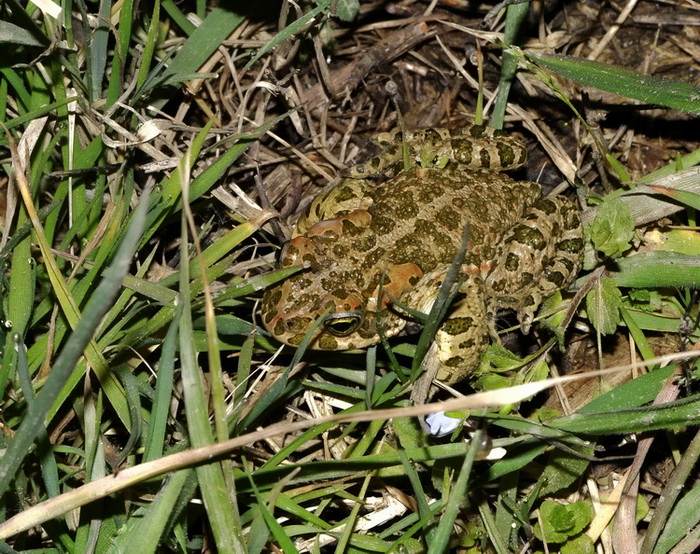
[464, 336]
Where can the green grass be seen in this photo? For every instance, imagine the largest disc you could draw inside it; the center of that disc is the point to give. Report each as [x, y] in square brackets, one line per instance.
[143, 407]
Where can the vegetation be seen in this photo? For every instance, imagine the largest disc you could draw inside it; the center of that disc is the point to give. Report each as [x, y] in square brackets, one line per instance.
[154, 158]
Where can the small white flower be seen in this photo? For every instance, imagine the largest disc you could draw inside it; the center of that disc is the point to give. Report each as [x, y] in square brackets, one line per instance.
[441, 425]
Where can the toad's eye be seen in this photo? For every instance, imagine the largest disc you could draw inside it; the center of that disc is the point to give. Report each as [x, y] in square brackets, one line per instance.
[342, 324]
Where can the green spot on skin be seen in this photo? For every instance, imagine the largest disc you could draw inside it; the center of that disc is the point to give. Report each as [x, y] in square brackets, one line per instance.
[477, 131]
[573, 246]
[555, 277]
[327, 342]
[512, 262]
[456, 361]
[547, 206]
[506, 156]
[467, 344]
[457, 325]
[530, 237]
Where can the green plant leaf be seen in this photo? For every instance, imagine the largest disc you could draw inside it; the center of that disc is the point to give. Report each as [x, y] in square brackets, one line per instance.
[289, 31]
[625, 82]
[636, 420]
[657, 269]
[222, 512]
[553, 314]
[499, 358]
[582, 514]
[603, 306]
[492, 381]
[155, 434]
[559, 522]
[581, 544]
[13, 34]
[143, 531]
[563, 468]
[691, 199]
[201, 44]
[684, 517]
[99, 303]
[346, 10]
[612, 229]
[97, 50]
[554, 522]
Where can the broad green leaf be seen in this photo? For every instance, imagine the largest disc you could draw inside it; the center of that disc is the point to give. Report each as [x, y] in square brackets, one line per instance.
[560, 521]
[645, 299]
[636, 420]
[14, 10]
[492, 381]
[346, 10]
[582, 544]
[19, 301]
[555, 522]
[499, 358]
[563, 468]
[409, 432]
[681, 241]
[582, 515]
[553, 314]
[612, 229]
[603, 306]
[631, 394]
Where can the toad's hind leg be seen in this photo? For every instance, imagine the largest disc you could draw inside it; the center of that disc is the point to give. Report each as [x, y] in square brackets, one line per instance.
[539, 256]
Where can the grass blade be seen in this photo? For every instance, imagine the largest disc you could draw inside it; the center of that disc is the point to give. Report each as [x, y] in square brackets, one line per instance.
[97, 306]
[202, 43]
[155, 435]
[625, 82]
[223, 518]
[145, 532]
